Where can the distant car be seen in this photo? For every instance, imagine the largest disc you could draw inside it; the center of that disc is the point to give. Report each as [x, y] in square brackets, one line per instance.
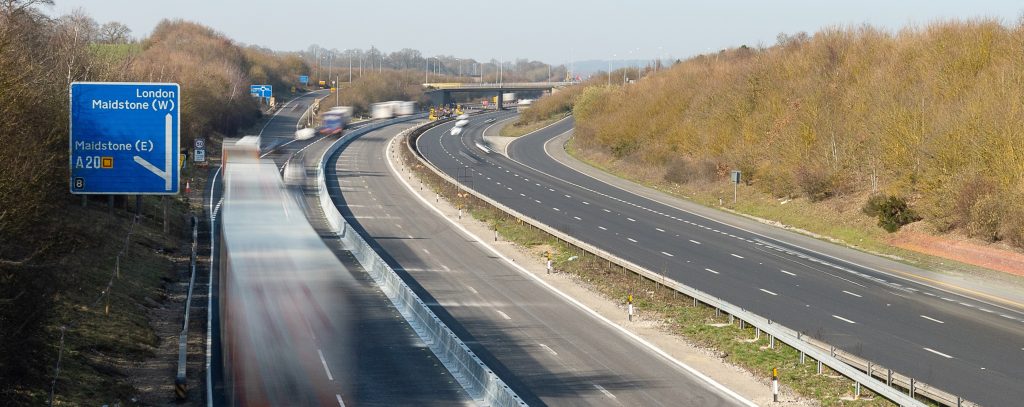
[456, 131]
[491, 120]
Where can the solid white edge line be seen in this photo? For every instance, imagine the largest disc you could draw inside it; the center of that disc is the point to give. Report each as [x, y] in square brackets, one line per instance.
[340, 402]
[786, 272]
[766, 237]
[504, 315]
[853, 294]
[707, 269]
[650, 346]
[769, 292]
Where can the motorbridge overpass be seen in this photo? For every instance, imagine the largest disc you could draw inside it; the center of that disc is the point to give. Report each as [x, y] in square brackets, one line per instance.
[441, 93]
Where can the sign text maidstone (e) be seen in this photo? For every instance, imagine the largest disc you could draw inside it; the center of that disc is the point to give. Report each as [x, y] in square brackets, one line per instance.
[125, 138]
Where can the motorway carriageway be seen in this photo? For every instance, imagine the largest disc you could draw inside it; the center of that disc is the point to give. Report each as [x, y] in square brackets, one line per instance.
[548, 350]
[388, 363]
[968, 346]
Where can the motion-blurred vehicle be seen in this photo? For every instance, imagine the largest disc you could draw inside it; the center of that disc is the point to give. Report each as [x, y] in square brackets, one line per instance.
[387, 110]
[456, 131]
[461, 123]
[281, 290]
[335, 120]
[463, 117]
[305, 133]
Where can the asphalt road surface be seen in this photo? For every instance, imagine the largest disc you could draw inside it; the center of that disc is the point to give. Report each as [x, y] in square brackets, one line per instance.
[973, 347]
[548, 350]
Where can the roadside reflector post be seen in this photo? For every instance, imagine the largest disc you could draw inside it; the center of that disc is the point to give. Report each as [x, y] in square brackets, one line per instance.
[911, 391]
[819, 367]
[775, 384]
[771, 341]
[856, 390]
[803, 357]
[757, 333]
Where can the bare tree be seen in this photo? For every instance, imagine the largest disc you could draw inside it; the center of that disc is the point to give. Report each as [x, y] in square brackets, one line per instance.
[114, 33]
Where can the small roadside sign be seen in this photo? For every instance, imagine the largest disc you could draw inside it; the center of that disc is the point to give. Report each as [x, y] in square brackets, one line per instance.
[199, 155]
[303, 79]
[261, 91]
[123, 138]
[735, 176]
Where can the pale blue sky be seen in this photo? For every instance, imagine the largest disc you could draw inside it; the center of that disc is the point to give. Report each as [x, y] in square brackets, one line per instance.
[553, 31]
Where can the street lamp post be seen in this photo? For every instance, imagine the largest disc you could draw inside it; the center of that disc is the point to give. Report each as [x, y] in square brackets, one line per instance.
[610, 70]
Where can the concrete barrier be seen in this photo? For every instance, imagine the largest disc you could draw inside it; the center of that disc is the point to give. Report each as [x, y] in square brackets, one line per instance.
[473, 375]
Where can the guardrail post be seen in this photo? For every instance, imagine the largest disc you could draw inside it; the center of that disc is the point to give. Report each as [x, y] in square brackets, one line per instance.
[802, 357]
[743, 324]
[819, 367]
[757, 333]
[856, 391]
[771, 341]
[732, 319]
[911, 391]
[888, 377]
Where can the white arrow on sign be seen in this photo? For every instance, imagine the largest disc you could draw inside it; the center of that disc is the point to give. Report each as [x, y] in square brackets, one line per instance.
[168, 156]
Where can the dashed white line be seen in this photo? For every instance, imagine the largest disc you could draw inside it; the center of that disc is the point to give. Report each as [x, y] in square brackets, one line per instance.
[853, 294]
[668, 254]
[786, 272]
[607, 211]
[931, 319]
[712, 271]
[660, 230]
[340, 403]
[547, 348]
[557, 210]
[426, 251]
[324, 361]
[938, 353]
[769, 292]
[631, 239]
[536, 200]
[568, 196]
[631, 219]
[602, 228]
[694, 241]
[736, 255]
[606, 393]
[843, 319]
[504, 315]
[586, 203]
[577, 218]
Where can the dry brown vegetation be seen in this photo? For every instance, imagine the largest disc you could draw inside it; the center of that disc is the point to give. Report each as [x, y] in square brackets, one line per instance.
[53, 254]
[929, 114]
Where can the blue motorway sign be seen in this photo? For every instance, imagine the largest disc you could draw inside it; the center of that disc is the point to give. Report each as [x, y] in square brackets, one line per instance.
[125, 138]
[303, 79]
[263, 91]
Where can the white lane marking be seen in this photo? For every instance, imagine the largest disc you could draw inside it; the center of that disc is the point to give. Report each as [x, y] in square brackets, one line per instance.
[426, 251]
[938, 353]
[855, 295]
[340, 403]
[660, 230]
[522, 194]
[607, 210]
[557, 210]
[568, 196]
[586, 203]
[631, 219]
[786, 272]
[769, 292]
[577, 218]
[473, 290]
[549, 189]
[547, 348]
[631, 239]
[606, 392]
[931, 319]
[447, 269]
[736, 255]
[712, 271]
[504, 315]
[538, 201]
[324, 361]
[694, 241]
[843, 319]
[668, 254]
[602, 228]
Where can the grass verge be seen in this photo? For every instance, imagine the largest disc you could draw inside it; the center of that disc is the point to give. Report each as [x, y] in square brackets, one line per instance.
[515, 129]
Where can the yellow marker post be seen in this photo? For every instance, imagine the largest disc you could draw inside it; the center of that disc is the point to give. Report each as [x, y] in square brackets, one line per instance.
[775, 384]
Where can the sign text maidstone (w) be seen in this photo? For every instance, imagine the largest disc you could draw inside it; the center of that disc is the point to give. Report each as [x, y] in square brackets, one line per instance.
[125, 138]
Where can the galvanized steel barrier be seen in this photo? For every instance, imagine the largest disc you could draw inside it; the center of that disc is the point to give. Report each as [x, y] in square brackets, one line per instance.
[863, 372]
[180, 382]
[480, 382]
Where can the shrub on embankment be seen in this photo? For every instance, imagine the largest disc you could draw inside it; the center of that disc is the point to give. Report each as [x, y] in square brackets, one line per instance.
[929, 114]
